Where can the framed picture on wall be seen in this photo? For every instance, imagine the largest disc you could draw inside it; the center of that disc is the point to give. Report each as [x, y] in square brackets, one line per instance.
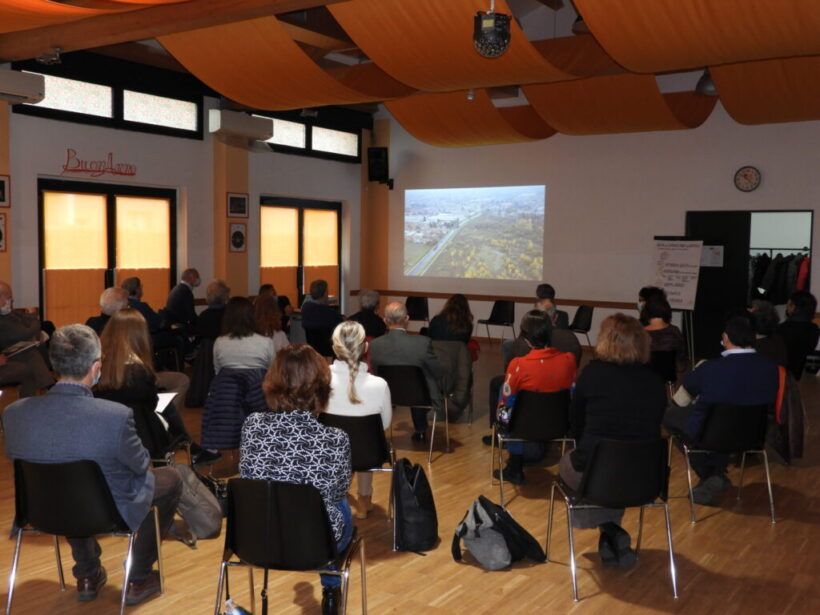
[237, 237]
[5, 191]
[2, 232]
[237, 205]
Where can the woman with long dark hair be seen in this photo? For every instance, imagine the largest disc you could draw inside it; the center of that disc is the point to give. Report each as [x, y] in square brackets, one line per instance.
[455, 321]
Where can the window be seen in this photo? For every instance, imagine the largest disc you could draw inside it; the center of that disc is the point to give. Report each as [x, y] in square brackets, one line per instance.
[77, 97]
[159, 110]
[290, 134]
[335, 141]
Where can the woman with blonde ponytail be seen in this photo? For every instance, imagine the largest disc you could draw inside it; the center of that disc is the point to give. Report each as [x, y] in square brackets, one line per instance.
[355, 392]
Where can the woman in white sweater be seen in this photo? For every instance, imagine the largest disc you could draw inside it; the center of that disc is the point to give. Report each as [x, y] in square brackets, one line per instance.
[355, 392]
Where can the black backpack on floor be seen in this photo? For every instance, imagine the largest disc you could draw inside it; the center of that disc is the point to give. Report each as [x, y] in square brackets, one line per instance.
[416, 524]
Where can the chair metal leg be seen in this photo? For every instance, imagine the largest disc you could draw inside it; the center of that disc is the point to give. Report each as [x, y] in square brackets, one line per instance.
[769, 484]
[489, 339]
[252, 588]
[13, 574]
[549, 521]
[345, 586]
[432, 439]
[59, 562]
[220, 584]
[572, 554]
[500, 475]
[740, 480]
[492, 452]
[393, 495]
[563, 447]
[159, 551]
[587, 336]
[640, 531]
[689, 480]
[363, 567]
[128, 560]
[446, 426]
[672, 570]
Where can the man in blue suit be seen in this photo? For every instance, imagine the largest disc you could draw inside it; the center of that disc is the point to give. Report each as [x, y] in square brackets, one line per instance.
[740, 376]
[69, 424]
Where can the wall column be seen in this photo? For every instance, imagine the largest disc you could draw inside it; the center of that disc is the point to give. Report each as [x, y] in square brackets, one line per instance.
[375, 216]
[230, 175]
[5, 166]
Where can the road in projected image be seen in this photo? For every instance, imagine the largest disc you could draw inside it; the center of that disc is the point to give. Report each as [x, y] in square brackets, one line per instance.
[491, 233]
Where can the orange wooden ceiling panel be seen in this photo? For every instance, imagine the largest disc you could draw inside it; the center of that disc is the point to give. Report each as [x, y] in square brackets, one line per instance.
[256, 63]
[648, 36]
[450, 120]
[616, 103]
[24, 14]
[769, 91]
[428, 44]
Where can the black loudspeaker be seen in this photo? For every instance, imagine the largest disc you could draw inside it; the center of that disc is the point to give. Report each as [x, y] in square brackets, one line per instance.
[377, 167]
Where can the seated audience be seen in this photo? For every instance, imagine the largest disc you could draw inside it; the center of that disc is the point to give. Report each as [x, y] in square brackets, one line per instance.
[543, 370]
[656, 316]
[128, 377]
[545, 302]
[269, 321]
[798, 330]
[162, 338]
[354, 392]
[373, 323]
[768, 341]
[316, 312]
[454, 323]
[241, 346]
[135, 291]
[111, 300]
[397, 347]
[740, 376]
[288, 444]
[27, 367]
[68, 424]
[617, 397]
[209, 322]
[284, 304]
[645, 293]
[180, 305]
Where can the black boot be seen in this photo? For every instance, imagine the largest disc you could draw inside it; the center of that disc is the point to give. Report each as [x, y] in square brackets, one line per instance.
[514, 471]
[331, 599]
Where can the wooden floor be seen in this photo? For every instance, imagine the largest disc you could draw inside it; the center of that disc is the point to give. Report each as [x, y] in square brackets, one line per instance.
[733, 561]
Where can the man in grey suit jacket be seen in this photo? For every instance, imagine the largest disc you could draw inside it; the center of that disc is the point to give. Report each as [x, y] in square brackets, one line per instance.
[69, 424]
[399, 348]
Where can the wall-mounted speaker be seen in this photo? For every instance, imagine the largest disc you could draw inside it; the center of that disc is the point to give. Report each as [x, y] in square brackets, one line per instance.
[377, 166]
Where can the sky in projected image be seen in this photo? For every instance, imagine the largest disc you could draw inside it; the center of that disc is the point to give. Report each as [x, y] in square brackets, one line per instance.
[489, 233]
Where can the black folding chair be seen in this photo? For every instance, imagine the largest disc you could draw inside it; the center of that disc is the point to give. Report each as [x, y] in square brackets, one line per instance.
[582, 321]
[536, 417]
[620, 474]
[665, 364]
[282, 526]
[418, 309]
[731, 429]
[502, 315]
[69, 499]
[408, 387]
[369, 449]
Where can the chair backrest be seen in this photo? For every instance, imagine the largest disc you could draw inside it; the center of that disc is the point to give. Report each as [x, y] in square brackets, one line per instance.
[417, 308]
[66, 499]
[503, 312]
[623, 473]
[732, 428]
[540, 416]
[582, 321]
[320, 339]
[278, 525]
[664, 363]
[368, 445]
[408, 386]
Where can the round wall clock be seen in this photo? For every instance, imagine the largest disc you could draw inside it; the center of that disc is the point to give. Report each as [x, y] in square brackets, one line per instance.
[747, 179]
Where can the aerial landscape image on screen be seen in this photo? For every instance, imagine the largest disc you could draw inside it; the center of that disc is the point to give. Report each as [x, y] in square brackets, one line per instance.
[491, 233]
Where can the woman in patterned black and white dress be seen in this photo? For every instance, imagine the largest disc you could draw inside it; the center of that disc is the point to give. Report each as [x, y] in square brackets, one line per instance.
[288, 444]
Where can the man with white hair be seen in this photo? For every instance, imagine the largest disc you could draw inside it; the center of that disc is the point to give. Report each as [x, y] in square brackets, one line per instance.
[69, 424]
[373, 324]
[111, 300]
[401, 348]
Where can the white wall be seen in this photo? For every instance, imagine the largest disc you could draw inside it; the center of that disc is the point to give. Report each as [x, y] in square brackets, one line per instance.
[607, 196]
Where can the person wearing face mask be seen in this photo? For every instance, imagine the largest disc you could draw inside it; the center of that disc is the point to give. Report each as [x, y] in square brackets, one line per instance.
[545, 302]
[68, 424]
[179, 309]
[740, 376]
[27, 368]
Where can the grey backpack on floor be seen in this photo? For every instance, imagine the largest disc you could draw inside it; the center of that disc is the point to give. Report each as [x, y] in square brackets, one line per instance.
[198, 506]
[493, 537]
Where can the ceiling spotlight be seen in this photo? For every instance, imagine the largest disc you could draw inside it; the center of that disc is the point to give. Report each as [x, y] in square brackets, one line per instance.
[491, 34]
[50, 57]
[470, 95]
[705, 86]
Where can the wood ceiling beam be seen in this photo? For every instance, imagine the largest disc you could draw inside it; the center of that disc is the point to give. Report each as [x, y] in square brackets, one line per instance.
[142, 24]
